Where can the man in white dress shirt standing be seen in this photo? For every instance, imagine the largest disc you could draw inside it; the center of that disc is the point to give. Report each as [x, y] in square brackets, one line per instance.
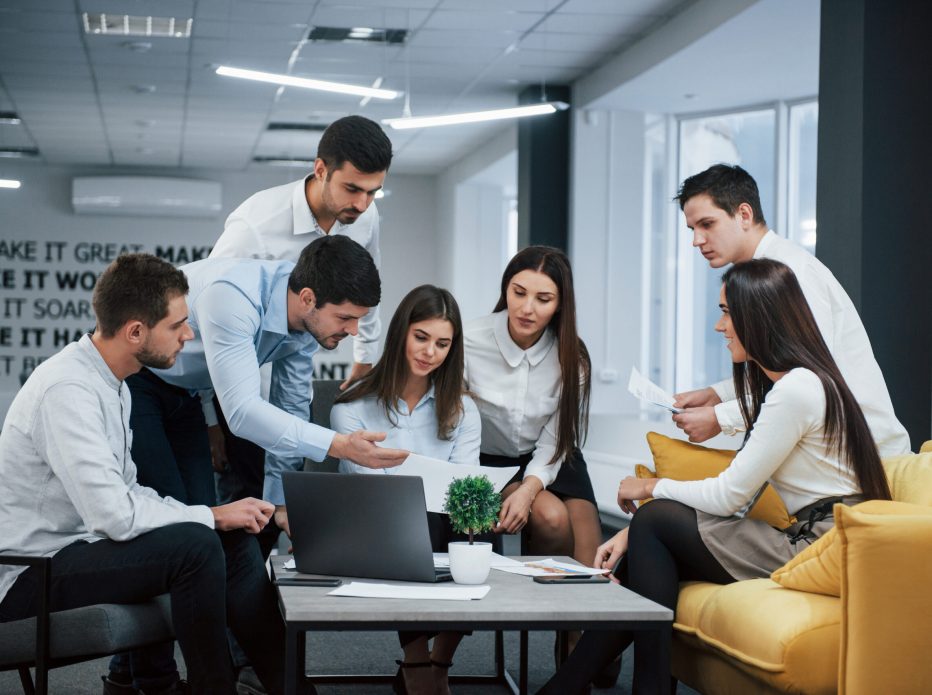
[722, 207]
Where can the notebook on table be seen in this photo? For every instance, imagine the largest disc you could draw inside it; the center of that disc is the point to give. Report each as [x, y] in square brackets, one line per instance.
[372, 526]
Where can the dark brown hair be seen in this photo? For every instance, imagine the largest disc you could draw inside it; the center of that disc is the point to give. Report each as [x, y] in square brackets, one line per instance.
[388, 378]
[357, 140]
[575, 366]
[775, 325]
[728, 186]
[135, 287]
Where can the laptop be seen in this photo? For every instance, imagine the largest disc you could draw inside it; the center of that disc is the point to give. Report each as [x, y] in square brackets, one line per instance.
[372, 526]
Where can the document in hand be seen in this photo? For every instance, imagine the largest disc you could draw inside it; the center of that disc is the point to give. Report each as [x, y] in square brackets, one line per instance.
[646, 390]
[437, 476]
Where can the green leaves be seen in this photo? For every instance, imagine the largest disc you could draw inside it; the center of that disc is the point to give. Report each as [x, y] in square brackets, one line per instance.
[472, 504]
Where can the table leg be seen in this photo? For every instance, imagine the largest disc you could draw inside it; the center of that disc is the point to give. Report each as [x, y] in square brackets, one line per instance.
[295, 648]
[522, 663]
[664, 639]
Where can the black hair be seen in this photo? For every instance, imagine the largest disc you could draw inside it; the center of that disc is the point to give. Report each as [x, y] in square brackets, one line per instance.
[338, 270]
[728, 186]
[356, 140]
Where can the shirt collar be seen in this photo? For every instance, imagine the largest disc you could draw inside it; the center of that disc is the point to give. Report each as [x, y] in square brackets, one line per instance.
[275, 318]
[514, 354]
[303, 221]
[86, 344]
[303, 218]
[402, 407]
[765, 243]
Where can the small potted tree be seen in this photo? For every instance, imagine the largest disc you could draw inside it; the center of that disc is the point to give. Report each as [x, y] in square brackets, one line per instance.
[473, 506]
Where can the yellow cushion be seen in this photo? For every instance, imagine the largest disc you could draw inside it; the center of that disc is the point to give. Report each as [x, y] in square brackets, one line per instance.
[758, 624]
[679, 460]
[910, 477]
[926, 447]
[886, 602]
[818, 568]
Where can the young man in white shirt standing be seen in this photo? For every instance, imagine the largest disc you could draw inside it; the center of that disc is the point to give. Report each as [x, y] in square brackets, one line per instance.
[722, 207]
[70, 491]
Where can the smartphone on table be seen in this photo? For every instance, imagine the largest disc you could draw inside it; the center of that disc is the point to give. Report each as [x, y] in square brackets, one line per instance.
[572, 579]
[307, 580]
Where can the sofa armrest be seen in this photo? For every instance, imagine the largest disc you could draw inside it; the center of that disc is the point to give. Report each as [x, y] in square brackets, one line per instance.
[886, 603]
[43, 604]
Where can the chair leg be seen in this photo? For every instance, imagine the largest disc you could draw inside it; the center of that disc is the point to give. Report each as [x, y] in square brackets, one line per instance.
[26, 679]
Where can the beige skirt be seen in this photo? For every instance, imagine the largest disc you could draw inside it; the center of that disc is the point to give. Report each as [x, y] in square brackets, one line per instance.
[751, 549]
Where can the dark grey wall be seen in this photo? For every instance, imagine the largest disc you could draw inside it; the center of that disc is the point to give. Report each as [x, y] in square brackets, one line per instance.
[875, 184]
[544, 172]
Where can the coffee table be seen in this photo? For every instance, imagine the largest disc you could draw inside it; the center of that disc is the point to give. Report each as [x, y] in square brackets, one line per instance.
[515, 602]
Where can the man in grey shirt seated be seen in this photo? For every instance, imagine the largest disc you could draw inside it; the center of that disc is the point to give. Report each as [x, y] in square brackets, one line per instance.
[70, 491]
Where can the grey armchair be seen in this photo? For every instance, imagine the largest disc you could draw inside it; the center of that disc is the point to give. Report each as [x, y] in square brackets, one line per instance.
[59, 638]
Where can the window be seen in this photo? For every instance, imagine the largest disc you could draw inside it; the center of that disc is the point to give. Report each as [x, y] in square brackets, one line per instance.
[801, 161]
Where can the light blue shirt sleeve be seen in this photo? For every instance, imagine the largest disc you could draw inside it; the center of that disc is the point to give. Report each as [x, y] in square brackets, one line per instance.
[229, 322]
[467, 436]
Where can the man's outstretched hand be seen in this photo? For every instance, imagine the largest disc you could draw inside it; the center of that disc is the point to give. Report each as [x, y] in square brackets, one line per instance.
[360, 447]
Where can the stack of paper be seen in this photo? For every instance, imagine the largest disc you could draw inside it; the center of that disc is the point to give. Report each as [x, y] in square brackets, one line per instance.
[548, 567]
[446, 593]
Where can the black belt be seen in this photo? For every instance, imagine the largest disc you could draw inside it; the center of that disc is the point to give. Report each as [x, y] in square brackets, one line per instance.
[817, 511]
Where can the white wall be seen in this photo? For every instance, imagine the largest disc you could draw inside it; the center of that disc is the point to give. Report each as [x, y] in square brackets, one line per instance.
[606, 241]
[39, 216]
[471, 226]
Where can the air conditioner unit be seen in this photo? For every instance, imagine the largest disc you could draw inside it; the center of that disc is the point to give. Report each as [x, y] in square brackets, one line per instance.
[154, 196]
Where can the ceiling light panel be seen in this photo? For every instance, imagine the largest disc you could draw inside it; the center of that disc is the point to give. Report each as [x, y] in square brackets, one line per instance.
[136, 25]
[358, 34]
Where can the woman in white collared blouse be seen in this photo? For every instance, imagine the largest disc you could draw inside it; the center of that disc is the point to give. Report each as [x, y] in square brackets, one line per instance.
[519, 361]
[416, 395]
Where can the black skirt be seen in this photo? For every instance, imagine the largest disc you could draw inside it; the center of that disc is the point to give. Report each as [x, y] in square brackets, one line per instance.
[572, 481]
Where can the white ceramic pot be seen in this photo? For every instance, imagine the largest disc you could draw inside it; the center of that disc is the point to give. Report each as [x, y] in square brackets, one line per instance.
[470, 564]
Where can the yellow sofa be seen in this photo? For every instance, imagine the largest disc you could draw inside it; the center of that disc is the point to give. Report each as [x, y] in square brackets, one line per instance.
[757, 637]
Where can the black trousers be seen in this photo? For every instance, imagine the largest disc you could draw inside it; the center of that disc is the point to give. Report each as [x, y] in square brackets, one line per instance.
[213, 579]
[664, 549]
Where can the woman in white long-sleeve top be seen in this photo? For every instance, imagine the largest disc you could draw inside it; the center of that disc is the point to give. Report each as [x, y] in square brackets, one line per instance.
[530, 375]
[416, 395]
[806, 435]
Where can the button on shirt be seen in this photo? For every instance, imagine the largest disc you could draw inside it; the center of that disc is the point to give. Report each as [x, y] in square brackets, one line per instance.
[517, 392]
[277, 223]
[66, 467]
[414, 431]
[846, 338]
[239, 313]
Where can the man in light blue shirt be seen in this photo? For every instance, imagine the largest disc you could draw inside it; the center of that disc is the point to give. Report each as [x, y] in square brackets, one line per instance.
[246, 313]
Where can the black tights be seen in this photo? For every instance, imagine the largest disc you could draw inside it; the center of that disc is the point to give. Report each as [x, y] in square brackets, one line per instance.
[664, 549]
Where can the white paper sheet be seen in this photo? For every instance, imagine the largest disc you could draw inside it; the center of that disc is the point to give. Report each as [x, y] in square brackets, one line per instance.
[549, 568]
[646, 390]
[437, 476]
[443, 560]
[444, 593]
[289, 564]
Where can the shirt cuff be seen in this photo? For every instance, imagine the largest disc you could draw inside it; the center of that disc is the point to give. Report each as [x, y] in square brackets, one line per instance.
[725, 414]
[364, 351]
[202, 515]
